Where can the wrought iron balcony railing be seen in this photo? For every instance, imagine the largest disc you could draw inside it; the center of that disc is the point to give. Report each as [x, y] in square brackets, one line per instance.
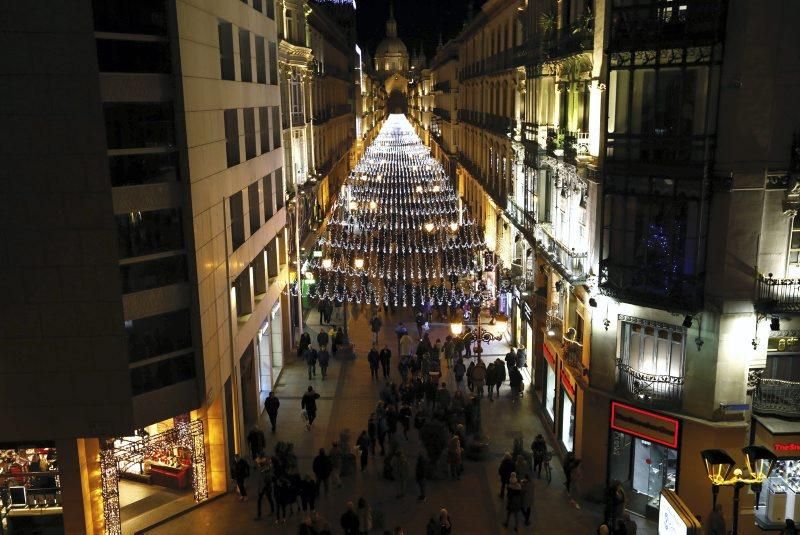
[651, 285]
[663, 391]
[572, 264]
[777, 295]
[523, 219]
[443, 113]
[777, 397]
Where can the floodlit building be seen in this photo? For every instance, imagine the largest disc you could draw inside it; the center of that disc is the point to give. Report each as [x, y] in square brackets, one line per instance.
[642, 207]
[144, 310]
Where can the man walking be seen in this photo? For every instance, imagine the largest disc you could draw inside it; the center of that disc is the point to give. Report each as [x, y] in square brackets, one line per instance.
[311, 361]
[373, 357]
[256, 441]
[322, 467]
[271, 405]
[400, 331]
[405, 345]
[324, 359]
[385, 358]
[375, 324]
[322, 339]
[266, 473]
[309, 404]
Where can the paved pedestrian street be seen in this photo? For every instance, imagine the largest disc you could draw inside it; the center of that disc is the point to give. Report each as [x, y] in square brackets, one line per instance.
[348, 396]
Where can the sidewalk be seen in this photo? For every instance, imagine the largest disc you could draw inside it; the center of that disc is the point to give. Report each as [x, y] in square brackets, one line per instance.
[348, 397]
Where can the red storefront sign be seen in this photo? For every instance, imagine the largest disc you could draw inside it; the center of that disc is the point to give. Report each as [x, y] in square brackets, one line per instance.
[645, 424]
[566, 380]
[779, 447]
[549, 356]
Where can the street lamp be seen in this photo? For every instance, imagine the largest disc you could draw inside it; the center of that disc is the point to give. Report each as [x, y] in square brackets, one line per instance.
[456, 328]
[353, 205]
[759, 462]
[359, 263]
[453, 226]
[429, 226]
[327, 263]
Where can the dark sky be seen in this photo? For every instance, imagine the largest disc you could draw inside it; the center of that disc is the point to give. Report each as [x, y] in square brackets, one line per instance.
[419, 22]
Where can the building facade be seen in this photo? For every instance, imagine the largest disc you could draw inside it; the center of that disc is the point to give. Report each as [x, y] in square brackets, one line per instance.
[643, 216]
[160, 299]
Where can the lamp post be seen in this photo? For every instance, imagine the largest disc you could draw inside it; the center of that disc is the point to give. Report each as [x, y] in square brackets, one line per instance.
[759, 463]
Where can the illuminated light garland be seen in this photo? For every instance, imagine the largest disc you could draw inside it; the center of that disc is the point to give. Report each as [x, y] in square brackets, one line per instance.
[396, 234]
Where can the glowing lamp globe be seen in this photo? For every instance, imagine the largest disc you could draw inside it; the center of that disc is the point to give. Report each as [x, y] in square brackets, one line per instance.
[456, 328]
[429, 227]
[359, 263]
[419, 189]
[327, 263]
[353, 205]
[454, 226]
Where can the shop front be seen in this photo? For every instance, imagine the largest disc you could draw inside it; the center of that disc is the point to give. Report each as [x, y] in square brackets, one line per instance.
[643, 456]
[269, 348]
[30, 489]
[154, 473]
[550, 385]
[780, 495]
[568, 409]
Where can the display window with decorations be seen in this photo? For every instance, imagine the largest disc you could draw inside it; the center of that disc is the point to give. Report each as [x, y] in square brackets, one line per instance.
[779, 498]
[30, 488]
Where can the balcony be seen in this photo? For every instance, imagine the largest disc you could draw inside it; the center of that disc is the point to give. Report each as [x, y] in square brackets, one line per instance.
[324, 115]
[567, 143]
[662, 391]
[663, 25]
[521, 218]
[498, 197]
[577, 38]
[507, 59]
[298, 118]
[650, 285]
[572, 265]
[442, 113]
[777, 295]
[777, 397]
[496, 124]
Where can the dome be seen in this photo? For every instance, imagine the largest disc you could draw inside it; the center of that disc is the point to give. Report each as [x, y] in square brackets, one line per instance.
[391, 46]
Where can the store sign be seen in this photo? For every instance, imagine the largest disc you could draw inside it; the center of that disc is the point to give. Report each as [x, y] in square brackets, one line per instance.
[783, 447]
[645, 424]
[549, 355]
[674, 517]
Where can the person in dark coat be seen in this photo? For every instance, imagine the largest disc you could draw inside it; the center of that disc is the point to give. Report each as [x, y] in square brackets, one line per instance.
[539, 450]
[515, 380]
[459, 370]
[324, 359]
[385, 359]
[504, 471]
[311, 361]
[375, 325]
[404, 415]
[322, 339]
[322, 467]
[271, 405]
[349, 520]
[500, 375]
[240, 471]
[308, 493]
[470, 368]
[283, 498]
[570, 464]
[419, 475]
[373, 358]
[256, 441]
[513, 501]
[511, 360]
[309, 404]
[363, 447]
[266, 484]
[302, 345]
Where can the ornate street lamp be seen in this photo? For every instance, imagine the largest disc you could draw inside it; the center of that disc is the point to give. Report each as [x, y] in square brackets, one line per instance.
[456, 328]
[327, 263]
[429, 226]
[359, 263]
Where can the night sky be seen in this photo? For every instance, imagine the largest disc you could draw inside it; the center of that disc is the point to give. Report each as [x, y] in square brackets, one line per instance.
[419, 22]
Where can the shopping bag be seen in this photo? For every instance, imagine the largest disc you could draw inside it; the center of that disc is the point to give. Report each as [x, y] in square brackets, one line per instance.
[304, 416]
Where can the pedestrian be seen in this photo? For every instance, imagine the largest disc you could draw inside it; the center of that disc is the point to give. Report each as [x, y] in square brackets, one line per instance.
[504, 471]
[500, 375]
[454, 451]
[385, 357]
[470, 369]
[256, 441]
[309, 404]
[419, 476]
[311, 361]
[570, 464]
[349, 520]
[391, 421]
[322, 339]
[515, 381]
[267, 475]
[364, 517]
[271, 406]
[445, 526]
[511, 359]
[614, 503]
[405, 345]
[373, 358]
[522, 467]
[522, 358]
[363, 447]
[715, 524]
[436, 351]
[283, 498]
[322, 467]
[479, 377]
[513, 501]
[419, 319]
[375, 325]
[447, 349]
[324, 359]
[491, 379]
[400, 472]
[339, 337]
[335, 455]
[539, 450]
[404, 415]
[302, 345]
[526, 498]
[240, 471]
[308, 494]
[459, 370]
[402, 368]
[400, 331]
[383, 428]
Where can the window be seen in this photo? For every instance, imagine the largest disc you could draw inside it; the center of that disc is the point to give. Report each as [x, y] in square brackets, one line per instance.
[261, 61]
[280, 193]
[249, 133]
[244, 56]
[289, 30]
[132, 125]
[146, 17]
[281, 249]
[269, 205]
[263, 128]
[253, 207]
[227, 69]
[270, 9]
[153, 336]
[272, 258]
[144, 233]
[273, 59]
[654, 349]
[232, 137]
[259, 274]
[142, 276]
[276, 127]
[122, 55]
[237, 220]
[136, 169]
[794, 247]
[163, 373]
[257, 5]
[241, 289]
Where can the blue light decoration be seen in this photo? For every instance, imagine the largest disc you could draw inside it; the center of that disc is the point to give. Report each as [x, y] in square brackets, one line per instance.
[663, 262]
